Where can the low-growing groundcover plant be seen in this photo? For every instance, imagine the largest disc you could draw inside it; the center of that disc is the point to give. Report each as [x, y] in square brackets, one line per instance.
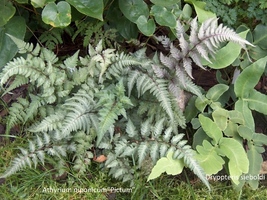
[127, 108]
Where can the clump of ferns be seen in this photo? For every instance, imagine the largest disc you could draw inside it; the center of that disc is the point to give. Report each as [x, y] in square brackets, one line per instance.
[93, 32]
[201, 43]
[104, 90]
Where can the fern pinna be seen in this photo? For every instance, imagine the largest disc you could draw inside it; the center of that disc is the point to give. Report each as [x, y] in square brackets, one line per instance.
[129, 106]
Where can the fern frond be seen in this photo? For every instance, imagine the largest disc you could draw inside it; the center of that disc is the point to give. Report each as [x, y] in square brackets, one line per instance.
[48, 56]
[130, 129]
[83, 154]
[52, 38]
[123, 63]
[175, 52]
[32, 109]
[160, 72]
[49, 123]
[194, 30]
[145, 128]
[23, 47]
[162, 94]
[184, 45]
[165, 41]
[80, 110]
[196, 58]
[17, 113]
[192, 87]
[132, 78]
[142, 152]
[112, 105]
[210, 34]
[71, 62]
[17, 82]
[167, 61]
[36, 153]
[192, 164]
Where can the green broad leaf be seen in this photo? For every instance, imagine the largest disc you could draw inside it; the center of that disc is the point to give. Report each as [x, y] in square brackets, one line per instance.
[165, 2]
[187, 11]
[199, 137]
[201, 103]
[147, 27]
[202, 14]
[220, 117]
[245, 132]
[208, 158]
[226, 55]
[190, 110]
[236, 117]
[126, 28]
[238, 160]
[91, 8]
[133, 9]
[216, 105]
[8, 49]
[259, 149]
[255, 161]
[40, 3]
[166, 164]
[257, 53]
[243, 28]
[195, 123]
[7, 11]
[163, 16]
[231, 131]
[259, 139]
[176, 10]
[249, 78]
[260, 36]
[217, 91]
[211, 128]
[57, 15]
[242, 106]
[257, 101]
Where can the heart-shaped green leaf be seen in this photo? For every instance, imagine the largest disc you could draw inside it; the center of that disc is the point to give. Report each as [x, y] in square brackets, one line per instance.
[257, 53]
[242, 107]
[124, 26]
[133, 9]
[166, 164]
[220, 117]
[216, 91]
[257, 101]
[40, 3]
[147, 27]
[202, 14]
[208, 158]
[8, 49]
[211, 128]
[7, 11]
[91, 8]
[57, 15]
[187, 11]
[163, 16]
[260, 36]
[249, 77]
[165, 2]
[238, 160]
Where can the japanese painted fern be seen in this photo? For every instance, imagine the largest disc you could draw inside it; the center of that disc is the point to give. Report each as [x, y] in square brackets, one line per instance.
[129, 106]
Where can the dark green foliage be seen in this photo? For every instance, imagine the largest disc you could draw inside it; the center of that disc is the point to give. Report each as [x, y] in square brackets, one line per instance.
[235, 13]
